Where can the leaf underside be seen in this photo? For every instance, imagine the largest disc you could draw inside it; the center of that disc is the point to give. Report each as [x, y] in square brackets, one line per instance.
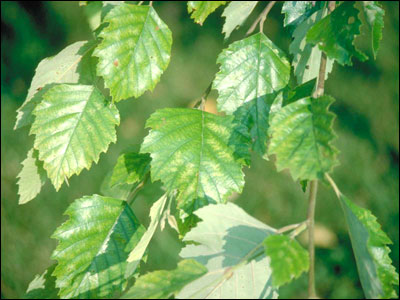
[93, 247]
[73, 125]
[236, 14]
[193, 151]
[163, 284]
[377, 274]
[134, 51]
[301, 135]
[250, 68]
[288, 259]
[335, 34]
[201, 9]
[225, 241]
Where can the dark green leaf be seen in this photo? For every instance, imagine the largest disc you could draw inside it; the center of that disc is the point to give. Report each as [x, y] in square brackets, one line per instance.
[374, 15]
[43, 286]
[130, 168]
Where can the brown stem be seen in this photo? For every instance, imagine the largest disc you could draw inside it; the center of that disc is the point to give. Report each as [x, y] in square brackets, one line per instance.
[261, 18]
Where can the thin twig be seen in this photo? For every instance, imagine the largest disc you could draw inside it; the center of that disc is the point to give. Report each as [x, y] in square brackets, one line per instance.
[289, 227]
[201, 102]
[131, 197]
[261, 18]
[333, 184]
[311, 249]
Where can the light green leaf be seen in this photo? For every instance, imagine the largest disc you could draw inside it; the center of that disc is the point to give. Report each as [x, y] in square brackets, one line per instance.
[250, 68]
[92, 11]
[229, 242]
[301, 135]
[43, 286]
[134, 51]
[335, 34]
[377, 274]
[195, 152]
[73, 125]
[296, 11]
[130, 168]
[93, 247]
[31, 178]
[137, 253]
[72, 65]
[307, 57]
[164, 284]
[235, 14]
[288, 259]
[374, 16]
[201, 9]
[118, 191]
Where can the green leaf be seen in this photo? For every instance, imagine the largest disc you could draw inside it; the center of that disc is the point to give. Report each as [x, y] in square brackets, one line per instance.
[93, 247]
[92, 11]
[374, 16]
[307, 57]
[235, 14]
[164, 284]
[119, 191]
[301, 91]
[288, 259]
[130, 168]
[335, 34]
[43, 286]
[201, 9]
[137, 253]
[301, 136]
[377, 274]
[72, 65]
[297, 11]
[229, 242]
[31, 178]
[134, 51]
[250, 68]
[73, 125]
[194, 151]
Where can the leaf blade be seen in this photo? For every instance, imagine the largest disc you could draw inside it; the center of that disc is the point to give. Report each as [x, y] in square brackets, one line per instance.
[200, 10]
[236, 14]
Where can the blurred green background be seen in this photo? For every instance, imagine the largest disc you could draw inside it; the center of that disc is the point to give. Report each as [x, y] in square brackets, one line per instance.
[367, 106]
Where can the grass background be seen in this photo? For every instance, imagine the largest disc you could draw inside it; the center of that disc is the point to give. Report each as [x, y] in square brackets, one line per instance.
[367, 125]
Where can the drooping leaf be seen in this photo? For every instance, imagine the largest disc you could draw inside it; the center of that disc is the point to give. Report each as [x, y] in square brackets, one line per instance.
[31, 178]
[250, 68]
[297, 11]
[130, 168]
[235, 14]
[307, 57]
[288, 259]
[137, 253]
[73, 125]
[134, 51]
[335, 33]
[193, 151]
[201, 9]
[43, 286]
[229, 242]
[377, 274]
[301, 135]
[72, 65]
[374, 16]
[164, 284]
[93, 247]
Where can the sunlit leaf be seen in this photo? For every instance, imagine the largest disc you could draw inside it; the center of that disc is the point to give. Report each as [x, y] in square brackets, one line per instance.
[250, 68]
[301, 138]
[73, 125]
[229, 242]
[201, 9]
[297, 11]
[31, 178]
[72, 65]
[134, 51]
[93, 247]
[335, 33]
[288, 259]
[374, 16]
[377, 274]
[194, 151]
[235, 14]
[43, 286]
[163, 284]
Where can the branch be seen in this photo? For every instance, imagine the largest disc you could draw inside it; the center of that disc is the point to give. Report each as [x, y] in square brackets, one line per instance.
[261, 18]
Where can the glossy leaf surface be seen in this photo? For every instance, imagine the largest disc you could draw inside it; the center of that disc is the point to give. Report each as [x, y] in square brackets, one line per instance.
[93, 247]
[73, 125]
[250, 68]
[296, 11]
[194, 151]
[301, 136]
[226, 241]
[200, 10]
[134, 51]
